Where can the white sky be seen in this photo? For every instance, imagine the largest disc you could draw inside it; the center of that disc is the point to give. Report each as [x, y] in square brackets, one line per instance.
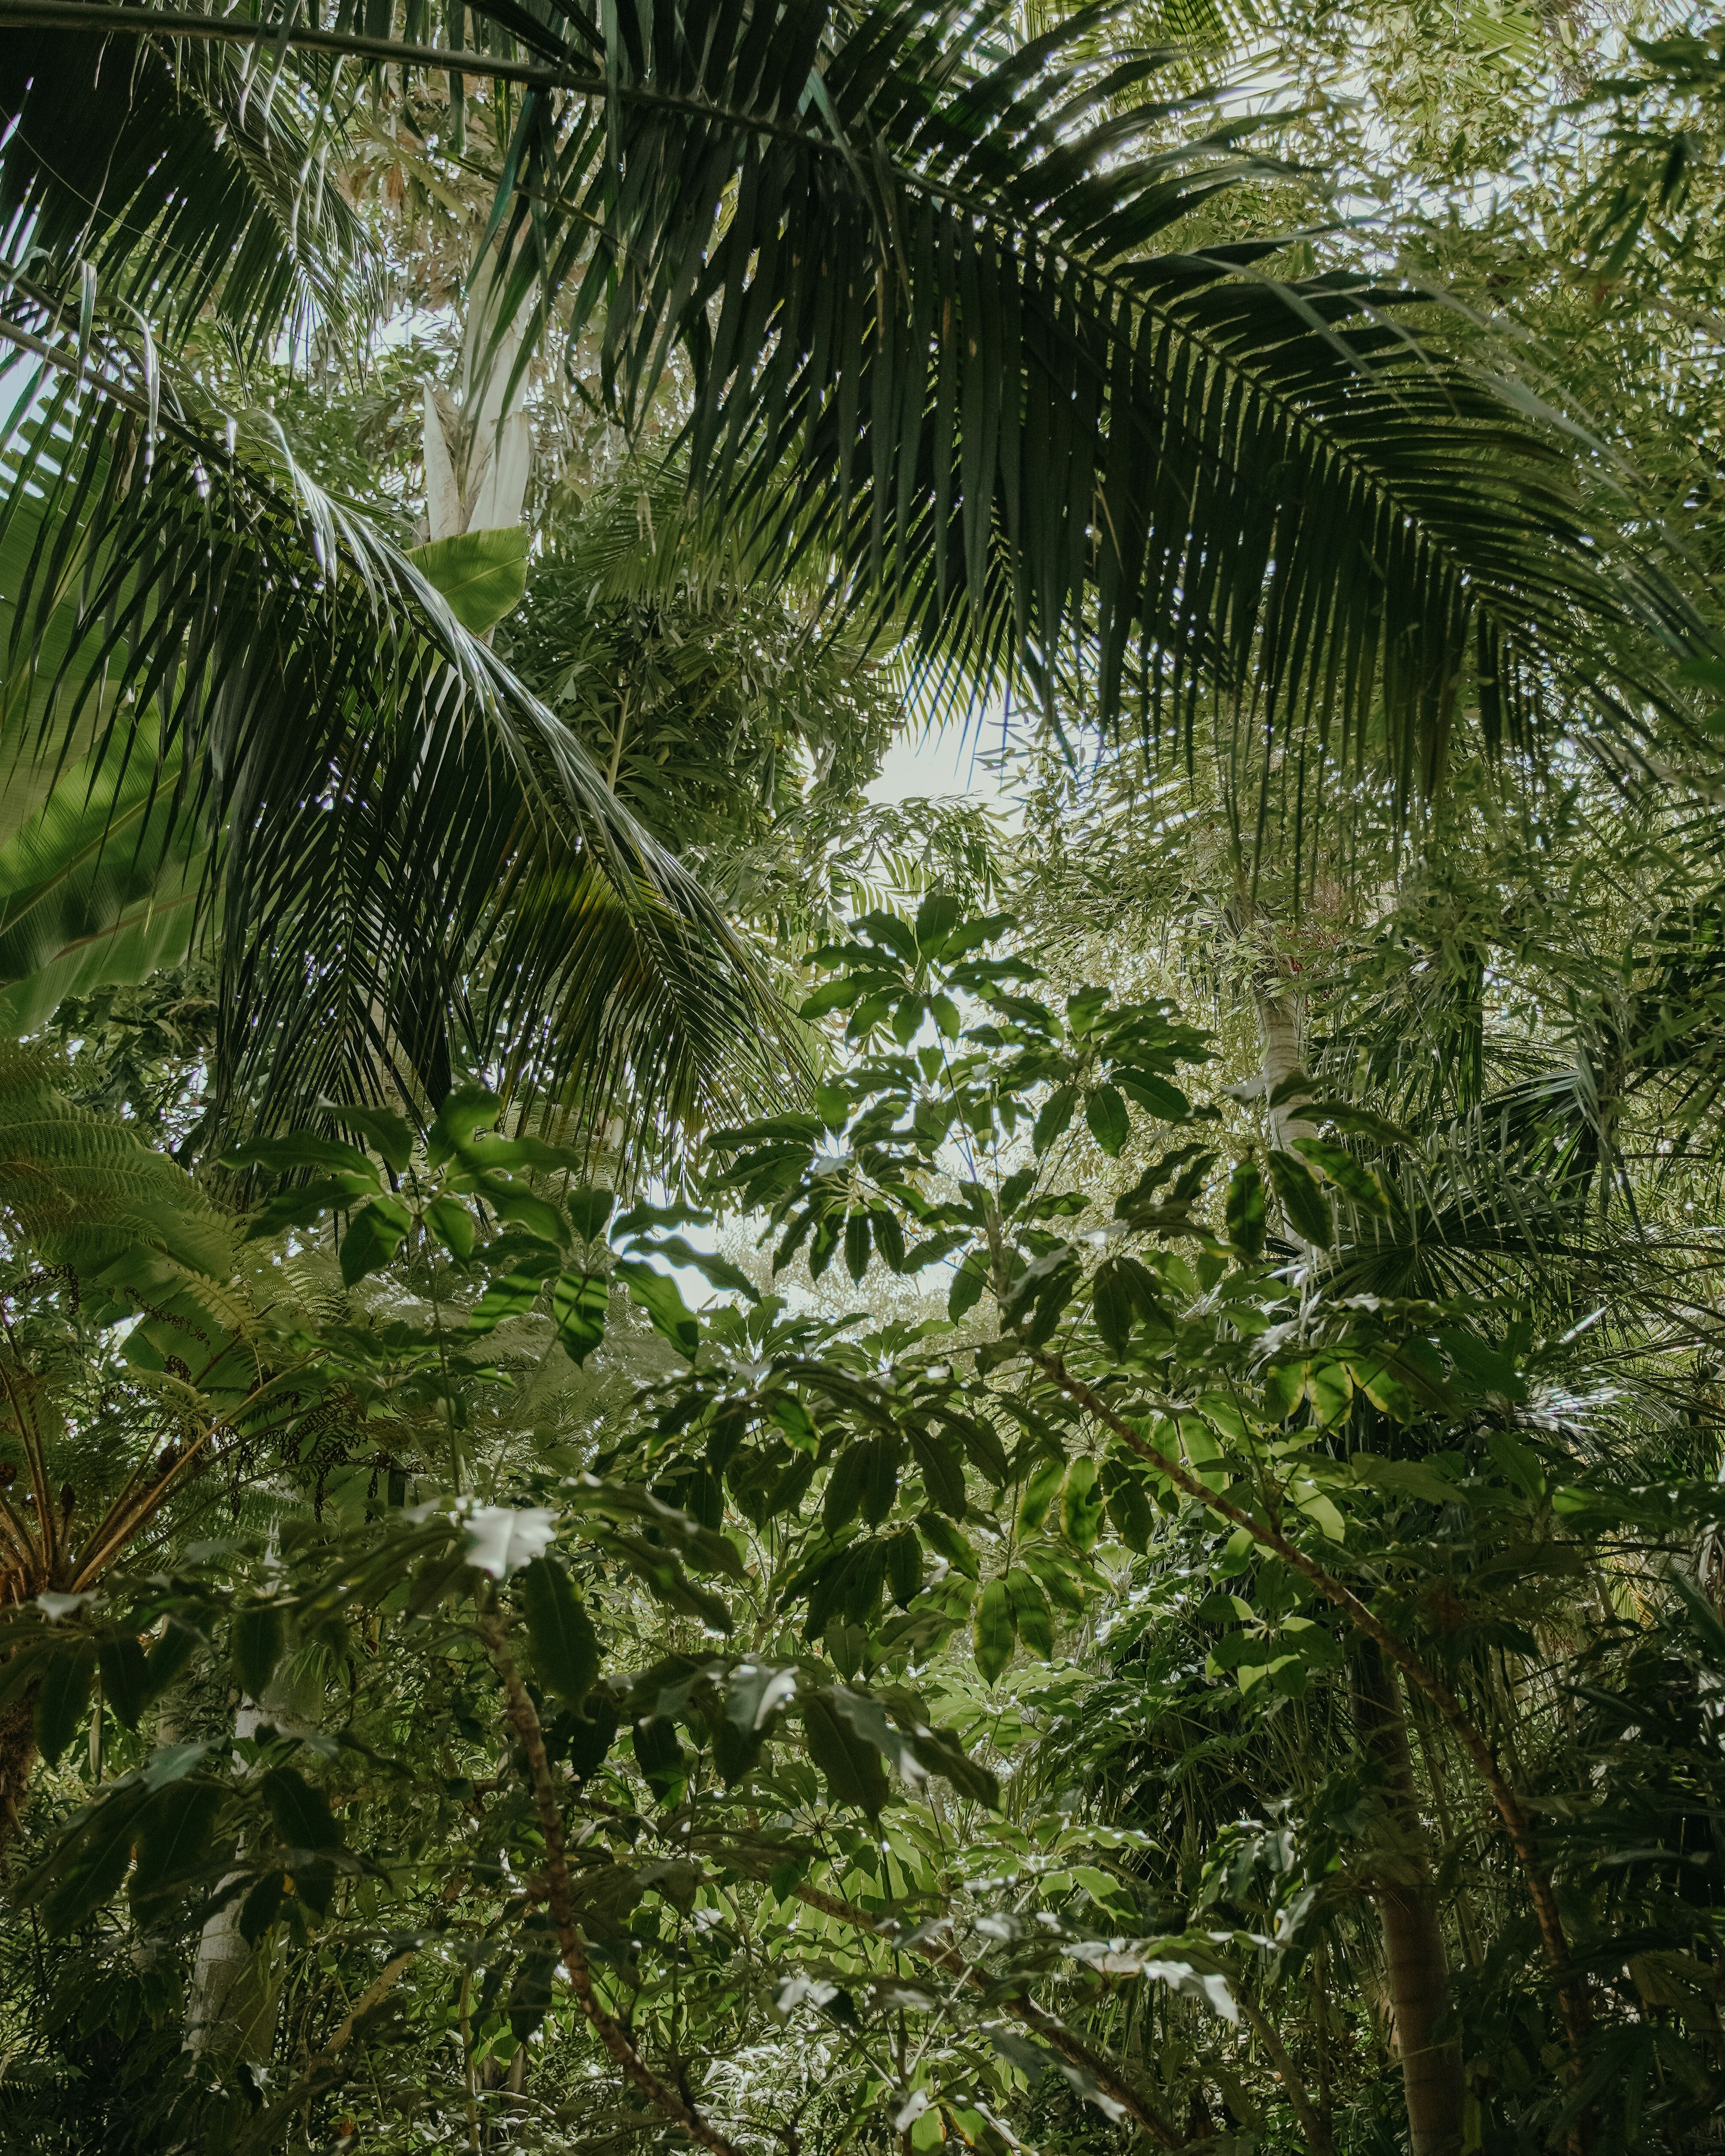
[945, 761]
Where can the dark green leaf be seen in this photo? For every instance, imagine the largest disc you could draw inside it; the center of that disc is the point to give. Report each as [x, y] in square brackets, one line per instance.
[175, 1833]
[63, 1697]
[849, 1764]
[565, 1649]
[993, 1629]
[1031, 1614]
[1242, 1211]
[124, 1678]
[388, 1132]
[1055, 1118]
[374, 1235]
[261, 1906]
[1307, 1207]
[301, 1814]
[257, 1647]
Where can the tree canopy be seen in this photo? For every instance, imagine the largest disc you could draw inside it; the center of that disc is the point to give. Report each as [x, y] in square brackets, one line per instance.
[692, 1454]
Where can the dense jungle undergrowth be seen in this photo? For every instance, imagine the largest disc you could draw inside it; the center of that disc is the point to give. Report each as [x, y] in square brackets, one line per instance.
[697, 1453]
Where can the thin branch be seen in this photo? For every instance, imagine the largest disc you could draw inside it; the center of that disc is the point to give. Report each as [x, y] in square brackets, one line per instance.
[496, 1635]
[1572, 1994]
[1103, 2071]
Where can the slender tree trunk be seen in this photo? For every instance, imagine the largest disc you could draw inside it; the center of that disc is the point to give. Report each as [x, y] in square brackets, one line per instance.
[1279, 1027]
[17, 1757]
[1413, 1952]
[231, 2002]
[221, 2009]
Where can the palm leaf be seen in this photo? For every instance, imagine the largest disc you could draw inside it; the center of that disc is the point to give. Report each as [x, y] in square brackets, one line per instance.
[938, 273]
[379, 783]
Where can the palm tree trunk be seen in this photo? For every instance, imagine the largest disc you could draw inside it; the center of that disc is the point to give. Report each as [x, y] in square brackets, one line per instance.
[18, 1756]
[1278, 1028]
[1414, 1953]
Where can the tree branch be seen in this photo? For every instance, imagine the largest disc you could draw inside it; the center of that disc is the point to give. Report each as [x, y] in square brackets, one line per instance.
[1053, 2032]
[1572, 1994]
[494, 1633]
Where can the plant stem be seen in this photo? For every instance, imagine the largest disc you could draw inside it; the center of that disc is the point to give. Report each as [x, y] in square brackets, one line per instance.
[1572, 2000]
[1102, 2071]
[494, 1633]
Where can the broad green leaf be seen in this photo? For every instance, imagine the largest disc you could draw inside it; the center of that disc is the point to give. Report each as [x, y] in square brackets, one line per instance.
[968, 1284]
[1350, 1176]
[848, 1763]
[1110, 1124]
[1407, 1478]
[660, 1758]
[942, 1477]
[1383, 1389]
[469, 1110]
[124, 1676]
[1031, 1614]
[481, 575]
[1242, 1211]
[1039, 1493]
[513, 1294]
[454, 1227]
[1055, 1118]
[589, 1210]
[305, 1149]
[175, 1834]
[1081, 1506]
[904, 1566]
[579, 1303]
[1329, 1387]
[374, 1234]
[387, 1132]
[63, 1697]
[262, 1905]
[1307, 1207]
[936, 918]
[522, 1209]
[103, 1852]
[302, 1815]
[843, 1499]
[993, 1631]
[257, 1646]
[659, 1295]
[1113, 1305]
[944, 1539]
[565, 1649]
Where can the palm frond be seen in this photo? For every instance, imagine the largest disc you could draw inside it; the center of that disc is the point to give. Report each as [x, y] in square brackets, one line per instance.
[374, 783]
[939, 272]
[941, 279]
[189, 184]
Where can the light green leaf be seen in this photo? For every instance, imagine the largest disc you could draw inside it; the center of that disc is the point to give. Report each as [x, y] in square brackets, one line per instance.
[482, 575]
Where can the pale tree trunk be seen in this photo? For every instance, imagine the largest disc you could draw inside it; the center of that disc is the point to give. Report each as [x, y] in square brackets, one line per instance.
[231, 2002]
[1278, 1028]
[227, 2005]
[1416, 1964]
[479, 439]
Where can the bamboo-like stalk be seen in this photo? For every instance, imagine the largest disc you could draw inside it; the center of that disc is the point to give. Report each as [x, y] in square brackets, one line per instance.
[1574, 2003]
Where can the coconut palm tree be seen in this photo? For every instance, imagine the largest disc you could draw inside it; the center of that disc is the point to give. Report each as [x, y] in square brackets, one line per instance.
[936, 306]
